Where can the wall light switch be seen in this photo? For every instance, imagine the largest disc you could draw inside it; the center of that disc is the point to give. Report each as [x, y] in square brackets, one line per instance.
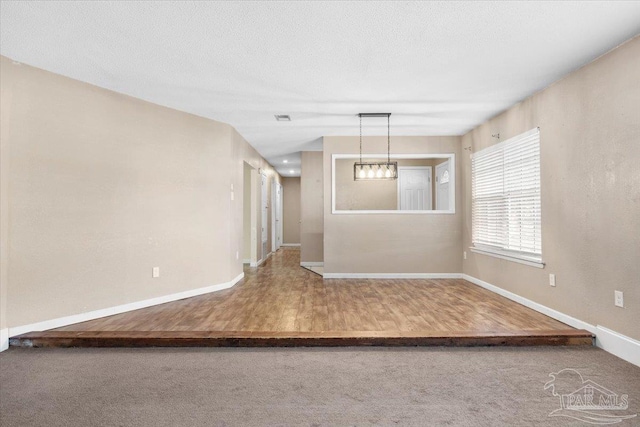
[156, 272]
[464, 255]
[619, 298]
[552, 279]
[232, 196]
[237, 254]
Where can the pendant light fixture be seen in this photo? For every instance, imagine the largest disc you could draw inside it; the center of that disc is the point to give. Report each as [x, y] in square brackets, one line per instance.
[376, 170]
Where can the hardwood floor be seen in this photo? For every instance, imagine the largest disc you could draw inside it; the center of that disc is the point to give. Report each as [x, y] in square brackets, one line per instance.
[280, 303]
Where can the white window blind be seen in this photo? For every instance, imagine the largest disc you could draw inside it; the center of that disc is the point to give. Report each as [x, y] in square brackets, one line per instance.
[505, 186]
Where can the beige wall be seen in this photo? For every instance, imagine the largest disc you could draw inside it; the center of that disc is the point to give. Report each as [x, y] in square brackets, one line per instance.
[242, 152]
[371, 195]
[311, 207]
[392, 243]
[590, 186]
[291, 210]
[103, 187]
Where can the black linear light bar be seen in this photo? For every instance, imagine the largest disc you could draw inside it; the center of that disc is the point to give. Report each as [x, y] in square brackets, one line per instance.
[376, 170]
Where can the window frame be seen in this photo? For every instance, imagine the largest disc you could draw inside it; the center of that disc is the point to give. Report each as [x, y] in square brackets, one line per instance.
[498, 238]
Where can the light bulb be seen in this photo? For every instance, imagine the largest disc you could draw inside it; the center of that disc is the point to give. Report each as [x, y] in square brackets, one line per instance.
[379, 173]
[362, 173]
[388, 172]
[370, 174]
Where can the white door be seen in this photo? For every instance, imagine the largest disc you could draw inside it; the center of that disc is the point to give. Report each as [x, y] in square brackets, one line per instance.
[254, 203]
[265, 216]
[278, 216]
[414, 188]
[442, 186]
[276, 220]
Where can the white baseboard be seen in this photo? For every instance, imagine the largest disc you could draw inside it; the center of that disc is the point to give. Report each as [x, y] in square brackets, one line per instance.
[290, 244]
[312, 264]
[257, 263]
[4, 339]
[392, 275]
[617, 344]
[96, 314]
[571, 321]
[260, 261]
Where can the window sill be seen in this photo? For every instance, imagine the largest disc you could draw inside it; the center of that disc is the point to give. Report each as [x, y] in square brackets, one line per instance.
[509, 257]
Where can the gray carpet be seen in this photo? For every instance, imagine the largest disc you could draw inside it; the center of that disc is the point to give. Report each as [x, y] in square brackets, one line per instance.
[298, 387]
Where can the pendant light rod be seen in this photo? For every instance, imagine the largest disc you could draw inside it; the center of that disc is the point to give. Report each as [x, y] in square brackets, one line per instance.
[388, 140]
[376, 170]
[388, 116]
[360, 137]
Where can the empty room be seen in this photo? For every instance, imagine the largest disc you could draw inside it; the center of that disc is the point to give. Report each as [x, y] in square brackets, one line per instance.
[282, 213]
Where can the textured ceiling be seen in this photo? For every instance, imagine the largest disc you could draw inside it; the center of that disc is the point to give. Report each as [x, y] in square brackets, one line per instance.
[440, 68]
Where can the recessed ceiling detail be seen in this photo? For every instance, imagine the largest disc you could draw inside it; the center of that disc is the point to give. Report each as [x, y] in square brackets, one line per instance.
[441, 68]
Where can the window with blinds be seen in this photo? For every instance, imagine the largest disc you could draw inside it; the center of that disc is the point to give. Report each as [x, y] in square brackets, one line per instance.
[505, 186]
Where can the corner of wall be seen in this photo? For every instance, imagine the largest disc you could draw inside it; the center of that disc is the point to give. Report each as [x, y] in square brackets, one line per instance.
[312, 207]
[4, 339]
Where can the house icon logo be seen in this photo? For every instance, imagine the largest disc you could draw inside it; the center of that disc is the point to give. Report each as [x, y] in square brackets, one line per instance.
[586, 400]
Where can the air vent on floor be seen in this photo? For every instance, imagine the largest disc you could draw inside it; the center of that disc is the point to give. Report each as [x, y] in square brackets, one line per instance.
[283, 117]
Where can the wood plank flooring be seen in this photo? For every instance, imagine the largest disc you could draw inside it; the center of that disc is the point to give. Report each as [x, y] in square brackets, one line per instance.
[282, 304]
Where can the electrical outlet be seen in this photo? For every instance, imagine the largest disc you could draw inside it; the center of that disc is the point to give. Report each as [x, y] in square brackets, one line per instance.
[156, 272]
[464, 255]
[237, 254]
[552, 280]
[618, 298]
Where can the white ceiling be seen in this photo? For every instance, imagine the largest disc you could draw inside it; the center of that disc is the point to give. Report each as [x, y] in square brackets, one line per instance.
[440, 68]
